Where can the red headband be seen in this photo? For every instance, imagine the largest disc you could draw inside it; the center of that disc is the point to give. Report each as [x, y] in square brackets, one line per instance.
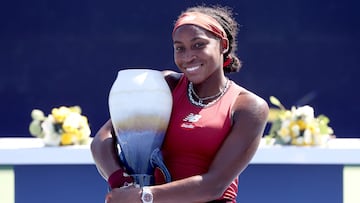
[202, 20]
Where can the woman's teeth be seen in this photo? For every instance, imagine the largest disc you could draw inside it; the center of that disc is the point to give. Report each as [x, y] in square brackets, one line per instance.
[192, 68]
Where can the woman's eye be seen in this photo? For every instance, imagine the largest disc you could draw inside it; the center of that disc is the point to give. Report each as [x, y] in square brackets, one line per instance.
[198, 45]
[179, 49]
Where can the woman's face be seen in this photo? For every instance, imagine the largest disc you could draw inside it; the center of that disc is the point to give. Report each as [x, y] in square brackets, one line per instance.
[197, 52]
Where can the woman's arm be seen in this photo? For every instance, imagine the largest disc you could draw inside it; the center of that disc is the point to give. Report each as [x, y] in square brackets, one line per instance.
[104, 152]
[250, 116]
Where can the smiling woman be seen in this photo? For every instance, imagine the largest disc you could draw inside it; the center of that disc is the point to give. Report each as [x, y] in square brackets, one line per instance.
[215, 125]
[304, 52]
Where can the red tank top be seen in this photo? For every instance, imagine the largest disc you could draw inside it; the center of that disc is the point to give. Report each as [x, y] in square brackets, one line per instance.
[195, 134]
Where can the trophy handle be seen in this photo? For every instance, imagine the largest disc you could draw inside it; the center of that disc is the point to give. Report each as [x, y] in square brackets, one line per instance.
[157, 161]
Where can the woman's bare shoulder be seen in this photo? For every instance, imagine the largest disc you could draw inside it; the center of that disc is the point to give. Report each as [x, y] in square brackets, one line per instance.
[249, 104]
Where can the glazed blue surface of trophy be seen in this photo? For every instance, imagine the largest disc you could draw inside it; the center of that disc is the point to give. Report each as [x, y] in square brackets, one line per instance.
[140, 104]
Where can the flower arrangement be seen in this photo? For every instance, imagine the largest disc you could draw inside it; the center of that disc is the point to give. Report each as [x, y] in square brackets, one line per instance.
[297, 126]
[64, 126]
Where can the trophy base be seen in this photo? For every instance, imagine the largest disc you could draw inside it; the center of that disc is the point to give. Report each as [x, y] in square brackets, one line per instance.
[142, 180]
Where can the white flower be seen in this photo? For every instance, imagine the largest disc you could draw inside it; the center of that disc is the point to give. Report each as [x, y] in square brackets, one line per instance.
[72, 121]
[51, 137]
[285, 123]
[308, 137]
[286, 138]
[295, 129]
[306, 112]
[299, 140]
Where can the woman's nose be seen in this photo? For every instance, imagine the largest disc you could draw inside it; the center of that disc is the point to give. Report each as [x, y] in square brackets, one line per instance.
[189, 56]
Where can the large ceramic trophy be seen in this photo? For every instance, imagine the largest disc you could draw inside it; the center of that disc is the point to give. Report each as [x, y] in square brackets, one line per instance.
[140, 105]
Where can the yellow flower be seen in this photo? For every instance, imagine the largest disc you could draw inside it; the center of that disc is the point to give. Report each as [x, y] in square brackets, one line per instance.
[75, 109]
[77, 125]
[301, 123]
[84, 127]
[285, 115]
[60, 114]
[67, 138]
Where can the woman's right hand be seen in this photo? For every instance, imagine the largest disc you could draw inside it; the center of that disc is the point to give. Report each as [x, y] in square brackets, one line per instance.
[124, 194]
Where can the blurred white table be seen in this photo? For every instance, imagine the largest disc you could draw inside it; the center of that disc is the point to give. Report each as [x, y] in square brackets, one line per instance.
[22, 151]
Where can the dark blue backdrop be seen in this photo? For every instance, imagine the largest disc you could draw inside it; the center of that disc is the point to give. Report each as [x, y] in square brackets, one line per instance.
[68, 53]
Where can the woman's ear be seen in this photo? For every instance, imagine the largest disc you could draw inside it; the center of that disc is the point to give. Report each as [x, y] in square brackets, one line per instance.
[224, 45]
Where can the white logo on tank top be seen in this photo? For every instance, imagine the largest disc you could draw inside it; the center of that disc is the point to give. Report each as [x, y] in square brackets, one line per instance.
[190, 119]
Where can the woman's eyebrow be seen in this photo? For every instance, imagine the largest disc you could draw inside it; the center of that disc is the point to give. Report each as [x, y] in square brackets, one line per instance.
[192, 40]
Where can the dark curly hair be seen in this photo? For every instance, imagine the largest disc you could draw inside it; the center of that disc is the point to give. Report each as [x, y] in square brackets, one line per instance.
[225, 16]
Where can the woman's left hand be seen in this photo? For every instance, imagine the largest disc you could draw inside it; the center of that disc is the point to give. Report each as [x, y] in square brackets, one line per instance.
[124, 194]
